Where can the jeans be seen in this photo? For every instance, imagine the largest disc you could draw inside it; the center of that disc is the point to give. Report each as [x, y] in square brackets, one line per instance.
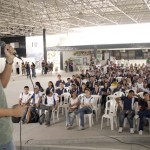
[143, 114]
[48, 115]
[82, 111]
[24, 115]
[129, 116]
[9, 146]
[70, 116]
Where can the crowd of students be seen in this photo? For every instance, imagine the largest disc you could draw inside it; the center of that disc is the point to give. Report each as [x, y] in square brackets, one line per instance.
[95, 81]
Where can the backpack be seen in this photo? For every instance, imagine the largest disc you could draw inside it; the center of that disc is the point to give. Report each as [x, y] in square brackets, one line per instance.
[34, 116]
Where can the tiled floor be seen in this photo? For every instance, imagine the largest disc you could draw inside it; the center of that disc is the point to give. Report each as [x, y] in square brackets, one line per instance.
[56, 134]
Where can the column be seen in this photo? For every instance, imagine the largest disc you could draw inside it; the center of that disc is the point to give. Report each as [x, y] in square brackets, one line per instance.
[95, 51]
[44, 45]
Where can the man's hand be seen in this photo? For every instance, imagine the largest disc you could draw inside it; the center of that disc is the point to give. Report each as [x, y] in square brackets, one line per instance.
[19, 111]
[9, 53]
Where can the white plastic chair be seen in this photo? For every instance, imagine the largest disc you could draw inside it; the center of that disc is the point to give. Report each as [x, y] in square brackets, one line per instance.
[90, 118]
[80, 96]
[67, 89]
[119, 94]
[110, 113]
[53, 115]
[118, 79]
[64, 102]
[97, 105]
[110, 97]
[141, 94]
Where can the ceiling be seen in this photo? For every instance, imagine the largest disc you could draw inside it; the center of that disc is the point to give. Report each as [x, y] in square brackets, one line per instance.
[29, 17]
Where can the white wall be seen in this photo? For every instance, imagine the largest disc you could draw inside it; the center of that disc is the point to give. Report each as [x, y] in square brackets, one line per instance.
[70, 54]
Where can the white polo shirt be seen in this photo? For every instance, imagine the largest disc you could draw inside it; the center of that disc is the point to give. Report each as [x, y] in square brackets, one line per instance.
[87, 100]
[50, 100]
[37, 97]
[24, 97]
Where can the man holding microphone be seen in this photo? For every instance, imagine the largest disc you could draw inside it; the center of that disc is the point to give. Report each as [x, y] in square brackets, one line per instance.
[6, 138]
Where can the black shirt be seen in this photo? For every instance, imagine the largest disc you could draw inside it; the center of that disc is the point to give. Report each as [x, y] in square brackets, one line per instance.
[127, 102]
[143, 104]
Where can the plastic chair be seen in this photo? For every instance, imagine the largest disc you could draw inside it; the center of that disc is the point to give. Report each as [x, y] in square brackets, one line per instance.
[119, 94]
[110, 113]
[67, 89]
[80, 96]
[90, 118]
[53, 115]
[64, 102]
[141, 94]
[118, 79]
[110, 97]
[96, 105]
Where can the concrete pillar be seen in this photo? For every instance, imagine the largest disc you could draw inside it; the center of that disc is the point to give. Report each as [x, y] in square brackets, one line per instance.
[44, 45]
[95, 51]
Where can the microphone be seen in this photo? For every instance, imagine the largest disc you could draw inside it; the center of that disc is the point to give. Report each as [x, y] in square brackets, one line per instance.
[2, 44]
[16, 55]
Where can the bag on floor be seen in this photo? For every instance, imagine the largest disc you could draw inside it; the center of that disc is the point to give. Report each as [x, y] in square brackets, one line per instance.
[15, 119]
[34, 117]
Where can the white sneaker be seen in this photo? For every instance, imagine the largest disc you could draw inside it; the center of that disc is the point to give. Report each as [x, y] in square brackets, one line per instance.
[131, 130]
[140, 132]
[120, 129]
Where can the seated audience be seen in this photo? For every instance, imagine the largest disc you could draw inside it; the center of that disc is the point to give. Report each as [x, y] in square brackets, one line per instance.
[70, 112]
[85, 107]
[144, 111]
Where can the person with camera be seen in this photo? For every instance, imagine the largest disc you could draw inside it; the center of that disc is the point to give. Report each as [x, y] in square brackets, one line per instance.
[6, 137]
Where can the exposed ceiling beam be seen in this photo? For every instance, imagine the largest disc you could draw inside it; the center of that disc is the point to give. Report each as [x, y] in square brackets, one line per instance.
[147, 2]
[113, 3]
[99, 15]
[81, 19]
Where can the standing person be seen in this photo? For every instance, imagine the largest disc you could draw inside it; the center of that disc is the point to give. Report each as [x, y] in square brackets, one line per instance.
[23, 68]
[28, 69]
[17, 68]
[6, 137]
[43, 66]
[33, 70]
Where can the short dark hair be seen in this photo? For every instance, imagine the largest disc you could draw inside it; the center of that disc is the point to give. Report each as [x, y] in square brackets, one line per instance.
[131, 91]
[26, 87]
[87, 89]
[145, 93]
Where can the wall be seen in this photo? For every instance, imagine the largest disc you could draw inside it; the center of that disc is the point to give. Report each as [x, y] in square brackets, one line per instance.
[78, 59]
[21, 48]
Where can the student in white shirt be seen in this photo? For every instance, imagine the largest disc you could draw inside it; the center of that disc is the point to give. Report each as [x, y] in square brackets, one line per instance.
[34, 102]
[70, 112]
[24, 100]
[85, 107]
[50, 104]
